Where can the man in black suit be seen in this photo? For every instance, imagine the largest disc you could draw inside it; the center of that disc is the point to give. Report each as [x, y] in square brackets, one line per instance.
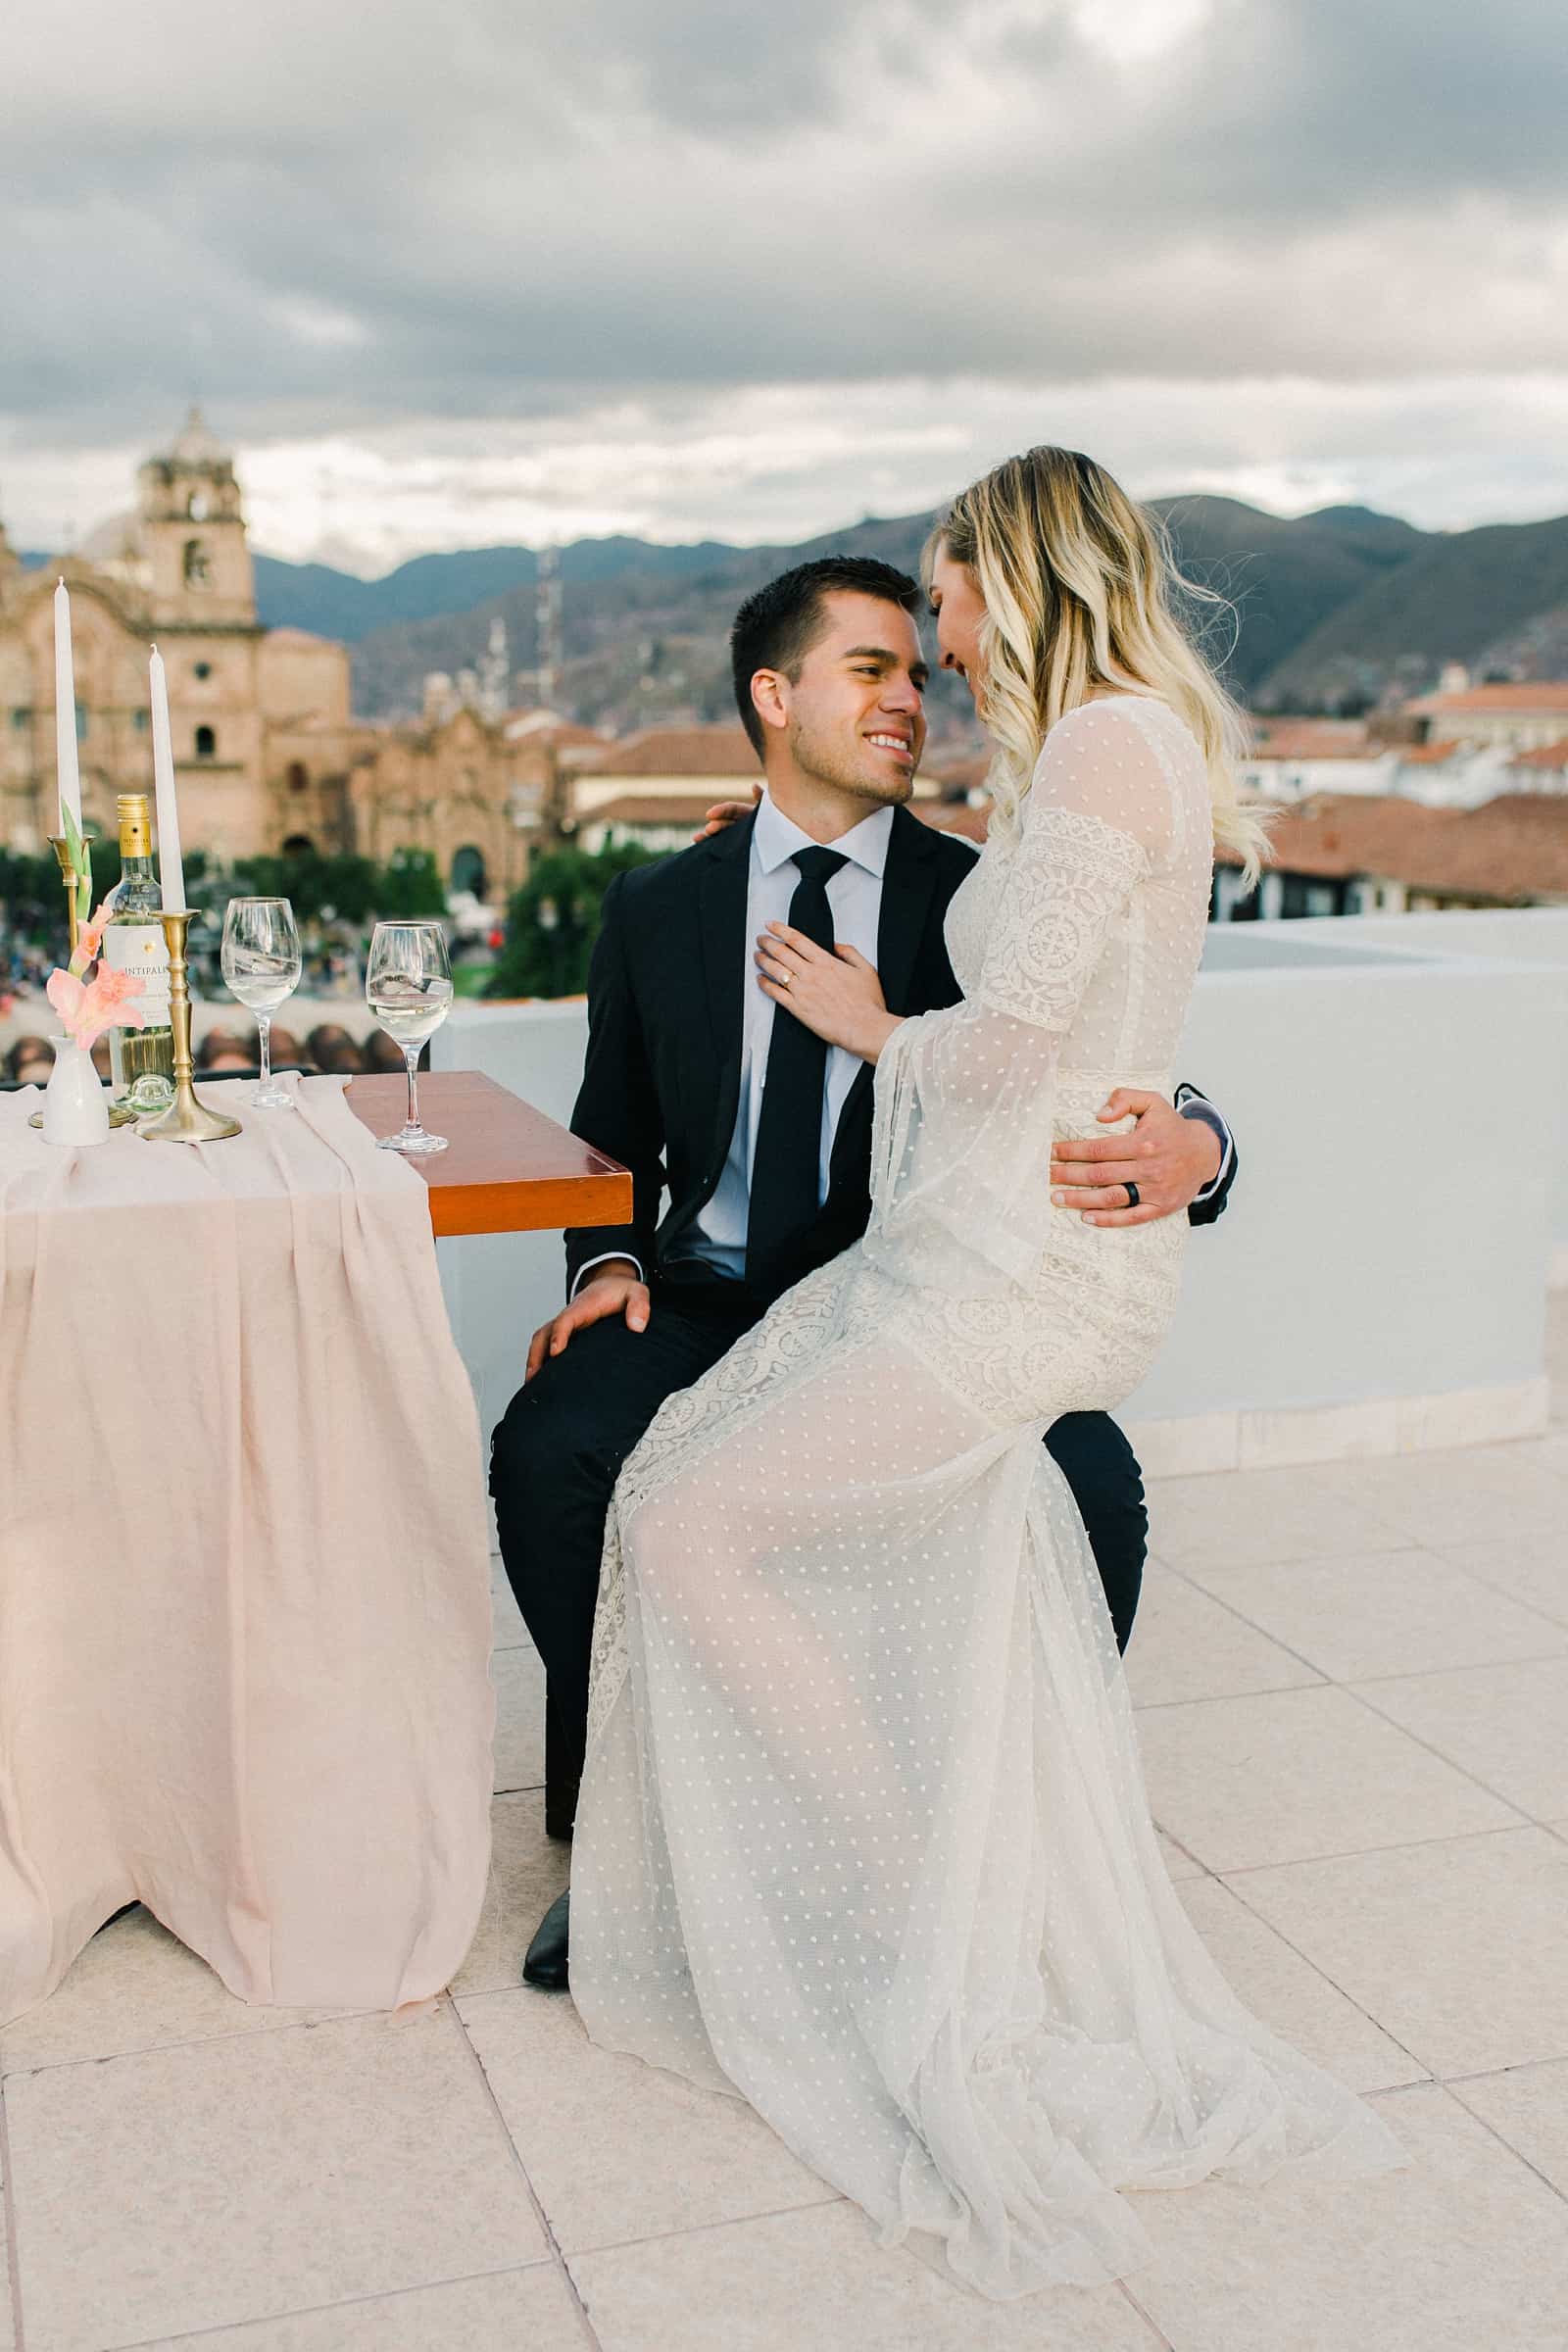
[830, 681]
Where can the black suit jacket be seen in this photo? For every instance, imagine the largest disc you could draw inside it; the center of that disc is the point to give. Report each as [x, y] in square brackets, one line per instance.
[660, 1085]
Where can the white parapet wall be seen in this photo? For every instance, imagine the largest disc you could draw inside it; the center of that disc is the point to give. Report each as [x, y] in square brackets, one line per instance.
[1533, 934]
[500, 1287]
[1379, 1280]
[1399, 1087]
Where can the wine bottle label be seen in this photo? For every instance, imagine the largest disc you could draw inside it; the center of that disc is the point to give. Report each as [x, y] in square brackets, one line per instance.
[141, 949]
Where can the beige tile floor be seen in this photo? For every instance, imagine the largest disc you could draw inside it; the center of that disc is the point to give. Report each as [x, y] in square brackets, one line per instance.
[1353, 1684]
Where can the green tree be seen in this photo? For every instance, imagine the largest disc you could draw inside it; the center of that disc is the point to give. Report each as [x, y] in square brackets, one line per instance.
[32, 895]
[311, 883]
[409, 886]
[341, 889]
[552, 921]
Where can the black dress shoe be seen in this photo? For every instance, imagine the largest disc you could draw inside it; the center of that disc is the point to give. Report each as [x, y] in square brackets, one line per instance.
[546, 1963]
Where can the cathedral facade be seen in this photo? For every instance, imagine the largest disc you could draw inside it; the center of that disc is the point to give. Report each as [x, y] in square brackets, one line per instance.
[263, 737]
[268, 755]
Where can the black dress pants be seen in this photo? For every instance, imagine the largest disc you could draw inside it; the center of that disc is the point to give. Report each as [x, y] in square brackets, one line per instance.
[557, 1452]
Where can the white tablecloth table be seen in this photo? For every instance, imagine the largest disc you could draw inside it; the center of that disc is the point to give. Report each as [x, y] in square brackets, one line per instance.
[244, 1587]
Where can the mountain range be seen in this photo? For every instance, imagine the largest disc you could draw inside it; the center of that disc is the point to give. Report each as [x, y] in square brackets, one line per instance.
[644, 626]
[1325, 611]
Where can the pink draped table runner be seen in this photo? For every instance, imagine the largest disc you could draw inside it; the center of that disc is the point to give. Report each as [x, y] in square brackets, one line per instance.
[244, 1575]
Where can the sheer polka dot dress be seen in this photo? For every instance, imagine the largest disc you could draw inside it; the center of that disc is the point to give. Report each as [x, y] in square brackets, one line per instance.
[862, 1836]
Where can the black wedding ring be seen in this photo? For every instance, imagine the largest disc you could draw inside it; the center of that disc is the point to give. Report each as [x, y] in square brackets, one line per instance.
[1132, 1195]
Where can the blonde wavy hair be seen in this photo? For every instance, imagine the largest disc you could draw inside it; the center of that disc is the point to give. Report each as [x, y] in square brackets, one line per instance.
[1078, 584]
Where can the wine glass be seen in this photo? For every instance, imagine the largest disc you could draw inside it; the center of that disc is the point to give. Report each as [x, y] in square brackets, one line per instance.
[261, 959]
[408, 986]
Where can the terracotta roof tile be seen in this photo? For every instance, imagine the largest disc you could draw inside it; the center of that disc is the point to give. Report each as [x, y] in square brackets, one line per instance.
[661, 809]
[1523, 695]
[1312, 739]
[722, 751]
[1511, 851]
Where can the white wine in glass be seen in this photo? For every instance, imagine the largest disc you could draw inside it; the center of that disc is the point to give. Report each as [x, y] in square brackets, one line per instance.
[408, 986]
[261, 967]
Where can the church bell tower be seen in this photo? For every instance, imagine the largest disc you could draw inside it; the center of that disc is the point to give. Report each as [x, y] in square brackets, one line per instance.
[193, 535]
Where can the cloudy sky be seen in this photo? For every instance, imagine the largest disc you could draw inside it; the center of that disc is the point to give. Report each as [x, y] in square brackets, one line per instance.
[501, 270]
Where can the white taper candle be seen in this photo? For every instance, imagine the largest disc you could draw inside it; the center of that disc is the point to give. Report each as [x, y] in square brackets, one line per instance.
[170, 869]
[70, 779]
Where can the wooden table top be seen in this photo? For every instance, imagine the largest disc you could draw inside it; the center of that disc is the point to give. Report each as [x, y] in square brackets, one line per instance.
[507, 1169]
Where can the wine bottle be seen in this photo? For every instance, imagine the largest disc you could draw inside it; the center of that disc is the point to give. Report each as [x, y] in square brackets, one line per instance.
[141, 1061]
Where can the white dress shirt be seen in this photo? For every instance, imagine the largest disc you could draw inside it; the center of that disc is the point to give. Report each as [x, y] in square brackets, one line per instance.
[854, 896]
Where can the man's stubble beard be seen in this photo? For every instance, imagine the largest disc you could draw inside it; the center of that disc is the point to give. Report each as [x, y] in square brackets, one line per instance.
[823, 758]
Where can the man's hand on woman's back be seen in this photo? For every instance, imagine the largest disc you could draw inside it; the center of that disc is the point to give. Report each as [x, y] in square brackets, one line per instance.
[1170, 1159]
[617, 1288]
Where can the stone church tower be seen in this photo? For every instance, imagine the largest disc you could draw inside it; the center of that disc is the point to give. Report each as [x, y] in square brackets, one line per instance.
[193, 536]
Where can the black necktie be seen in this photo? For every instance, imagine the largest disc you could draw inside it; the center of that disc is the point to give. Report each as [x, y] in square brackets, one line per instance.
[789, 1133]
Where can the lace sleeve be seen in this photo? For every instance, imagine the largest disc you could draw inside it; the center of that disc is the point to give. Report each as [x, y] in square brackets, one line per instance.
[961, 1150]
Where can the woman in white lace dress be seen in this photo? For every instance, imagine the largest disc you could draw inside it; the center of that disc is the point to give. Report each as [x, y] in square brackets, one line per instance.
[862, 1835]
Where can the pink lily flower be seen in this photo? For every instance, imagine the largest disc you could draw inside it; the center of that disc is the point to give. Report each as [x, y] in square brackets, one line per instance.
[110, 1002]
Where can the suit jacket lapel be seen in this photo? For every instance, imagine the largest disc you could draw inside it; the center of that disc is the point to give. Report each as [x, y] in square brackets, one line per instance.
[722, 920]
[907, 881]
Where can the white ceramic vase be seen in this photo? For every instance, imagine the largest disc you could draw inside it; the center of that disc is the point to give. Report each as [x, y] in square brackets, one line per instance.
[76, 1107]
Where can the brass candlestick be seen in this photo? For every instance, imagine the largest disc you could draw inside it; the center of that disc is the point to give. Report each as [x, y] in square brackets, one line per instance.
[73, 882]
[186, 1120]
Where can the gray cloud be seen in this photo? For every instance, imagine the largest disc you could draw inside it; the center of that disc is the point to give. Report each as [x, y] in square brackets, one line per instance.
[320, 216]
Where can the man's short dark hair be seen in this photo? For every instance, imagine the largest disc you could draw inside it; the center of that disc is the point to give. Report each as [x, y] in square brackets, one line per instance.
[777, 627]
